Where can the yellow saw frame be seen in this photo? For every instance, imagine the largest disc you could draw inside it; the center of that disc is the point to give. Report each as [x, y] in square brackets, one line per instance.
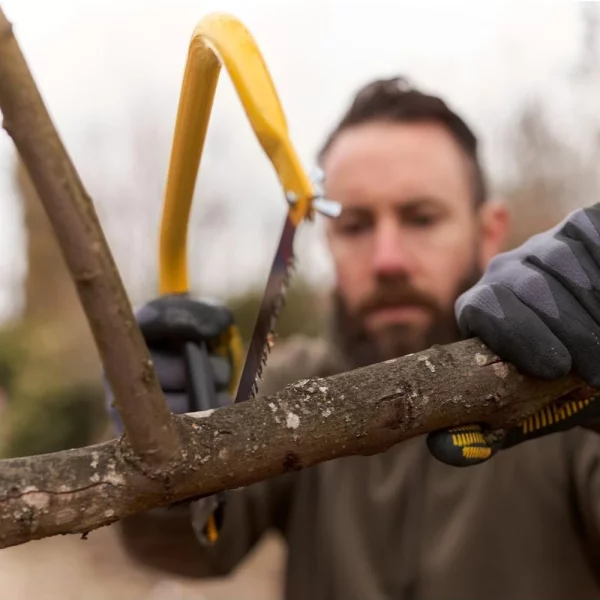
[221, 38]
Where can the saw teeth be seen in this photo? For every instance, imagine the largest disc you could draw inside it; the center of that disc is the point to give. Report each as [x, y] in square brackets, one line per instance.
[278, 304]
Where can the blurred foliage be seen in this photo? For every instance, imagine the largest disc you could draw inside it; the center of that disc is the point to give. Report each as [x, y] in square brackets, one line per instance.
[49, 366]
[12, 354]
[50, 407]
[68, 416]
[303, 311]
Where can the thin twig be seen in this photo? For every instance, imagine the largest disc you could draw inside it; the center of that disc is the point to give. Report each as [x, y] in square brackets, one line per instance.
[139, 399]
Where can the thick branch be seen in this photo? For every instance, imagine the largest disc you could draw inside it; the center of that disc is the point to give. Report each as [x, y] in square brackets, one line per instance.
[311, 421]
[138, 396]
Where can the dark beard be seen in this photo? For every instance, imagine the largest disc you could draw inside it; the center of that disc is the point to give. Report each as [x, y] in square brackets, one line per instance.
[360, 348]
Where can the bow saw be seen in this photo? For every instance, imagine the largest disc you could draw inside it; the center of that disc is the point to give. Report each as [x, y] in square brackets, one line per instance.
[221, 39]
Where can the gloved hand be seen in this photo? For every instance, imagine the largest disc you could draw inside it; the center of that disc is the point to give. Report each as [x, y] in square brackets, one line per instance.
[537, 307]
[179, 331]
[185, 339]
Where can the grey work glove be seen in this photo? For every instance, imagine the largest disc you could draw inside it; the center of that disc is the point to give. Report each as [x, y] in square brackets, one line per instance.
[180, 333]
[537, 307]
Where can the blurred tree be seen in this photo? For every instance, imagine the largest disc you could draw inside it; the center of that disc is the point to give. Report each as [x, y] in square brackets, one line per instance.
[49, 364]
[551, 177]
[555, 175]
[303, 311]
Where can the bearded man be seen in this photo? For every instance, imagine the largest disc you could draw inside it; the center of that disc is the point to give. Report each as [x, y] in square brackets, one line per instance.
[415, 251]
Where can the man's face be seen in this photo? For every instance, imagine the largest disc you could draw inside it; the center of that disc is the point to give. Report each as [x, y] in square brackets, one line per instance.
[408, 241]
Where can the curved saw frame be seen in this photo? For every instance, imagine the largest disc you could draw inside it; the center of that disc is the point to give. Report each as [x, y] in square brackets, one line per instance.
[222, 39]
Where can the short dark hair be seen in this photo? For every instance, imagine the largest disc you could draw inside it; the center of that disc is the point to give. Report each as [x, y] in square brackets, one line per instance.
[397, 100]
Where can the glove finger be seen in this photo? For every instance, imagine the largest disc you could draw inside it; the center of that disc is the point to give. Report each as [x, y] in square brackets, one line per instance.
[583, 225]
[177, 318]
[222, 371]
[565, 316]
[183, 403]
[571, 265]
[178, 402]
[513, 331]
[171, 370]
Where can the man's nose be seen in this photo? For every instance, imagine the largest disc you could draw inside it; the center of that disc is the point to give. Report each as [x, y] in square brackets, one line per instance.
[391, 254]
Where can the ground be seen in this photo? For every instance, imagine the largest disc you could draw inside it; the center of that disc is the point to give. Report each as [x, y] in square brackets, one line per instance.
[69, 568]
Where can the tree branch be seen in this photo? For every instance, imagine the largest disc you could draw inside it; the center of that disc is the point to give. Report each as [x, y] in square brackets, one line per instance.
[364, 411]
[124, 354]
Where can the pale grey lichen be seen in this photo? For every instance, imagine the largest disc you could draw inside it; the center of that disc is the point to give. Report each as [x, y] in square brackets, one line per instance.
[427, 362]
[33, 498]
[480, 359]
[201, 414]
[292, 421]
[112, 476]
[501, 370]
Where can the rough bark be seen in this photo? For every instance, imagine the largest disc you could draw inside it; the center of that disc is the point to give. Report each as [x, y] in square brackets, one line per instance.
[124, 354]
[364, 411]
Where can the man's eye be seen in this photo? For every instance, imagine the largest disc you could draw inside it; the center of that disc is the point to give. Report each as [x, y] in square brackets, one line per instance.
[422, 220]
[353, 227]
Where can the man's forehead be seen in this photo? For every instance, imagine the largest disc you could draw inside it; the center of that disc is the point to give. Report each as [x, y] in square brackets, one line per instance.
[380, 145]
[392, 159]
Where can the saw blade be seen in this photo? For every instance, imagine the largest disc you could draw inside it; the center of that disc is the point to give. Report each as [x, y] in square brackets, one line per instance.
[271, 305]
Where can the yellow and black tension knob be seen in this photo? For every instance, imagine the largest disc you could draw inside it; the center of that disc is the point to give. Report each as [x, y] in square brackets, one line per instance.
[473, 444]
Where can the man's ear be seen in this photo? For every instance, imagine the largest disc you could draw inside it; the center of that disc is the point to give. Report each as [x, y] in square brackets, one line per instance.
[494, 223]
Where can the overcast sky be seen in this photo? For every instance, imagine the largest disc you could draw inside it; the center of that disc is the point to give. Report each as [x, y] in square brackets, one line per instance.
[110, 73]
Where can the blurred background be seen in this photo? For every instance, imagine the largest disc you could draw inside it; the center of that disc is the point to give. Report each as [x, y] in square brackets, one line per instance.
[525, 74]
